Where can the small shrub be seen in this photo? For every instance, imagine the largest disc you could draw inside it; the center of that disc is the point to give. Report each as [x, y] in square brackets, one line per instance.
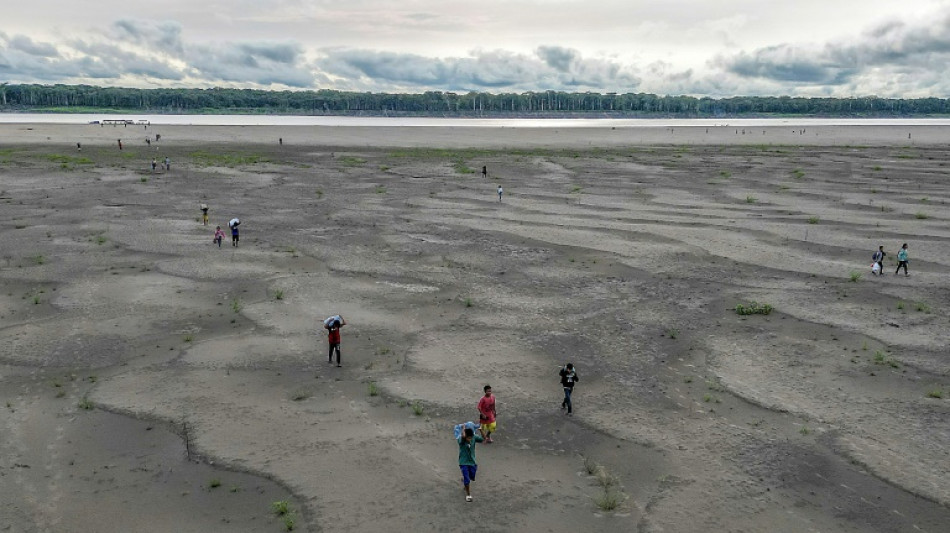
[922, 307]
[590, 465]
[39, 259]
[707, 398]
[754, 308]
[189, 338]
[855, 276]
[673, 332]
[935, 393]
[278, 294]
[101, 239]
[804, 430]
[921, 215]
[280, 508]
[36, 300]
[877, 168]
[214, 483]
[143, 179]
[85, 404]
[750, 199]
[380, 189]
[417, 408]
[373, 389]
[576, 189]
[60, 393]
[688, 379]
[813, 220]
[236, 305]
[290, 521]
[900, 306]
[468, 302]
[319, 193]
[609, 500]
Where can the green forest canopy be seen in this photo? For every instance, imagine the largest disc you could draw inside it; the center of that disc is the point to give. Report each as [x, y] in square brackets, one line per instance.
[86, 98]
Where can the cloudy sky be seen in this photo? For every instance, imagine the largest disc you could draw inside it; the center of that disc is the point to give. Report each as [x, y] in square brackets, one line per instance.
[697, 47]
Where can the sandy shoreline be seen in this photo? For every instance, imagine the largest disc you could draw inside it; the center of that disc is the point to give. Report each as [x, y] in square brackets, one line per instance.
[625, 252]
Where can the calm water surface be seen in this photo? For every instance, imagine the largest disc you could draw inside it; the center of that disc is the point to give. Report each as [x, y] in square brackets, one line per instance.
[291, 120]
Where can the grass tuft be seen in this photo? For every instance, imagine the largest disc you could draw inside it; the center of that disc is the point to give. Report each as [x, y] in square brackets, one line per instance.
[854, 276]
[373, 389]
[754, 308]
[813, 220]
[417, 408]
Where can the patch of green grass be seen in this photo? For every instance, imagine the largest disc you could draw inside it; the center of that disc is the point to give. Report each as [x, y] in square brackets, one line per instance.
[672, 332]
[281, 507]
[417, 408]
[143, 179]
[319, 193]
[798, 173]
[210, 159]
[753, 308]
[751, 199]
[383, 168]
[36, 300]
[590, 465]
[85, 404]
[372, 389]
[214, 483]
[101, 239]
[39, 259]
[576, 189]
[468, 302]
[461, 168]
[935, 393]
[688, 379]
[236, 305]
[380, 189]
[707, 398]
[813, 220]
[924, 200]
[278, 294]
[189, 337]
[922, 307]
[854, 276]
[920, 215]
[352, 161]
[383, 350]
[900, 306]
[609, 500]
[290, 521]
[725, 174]
[804, 430]
[877, 168]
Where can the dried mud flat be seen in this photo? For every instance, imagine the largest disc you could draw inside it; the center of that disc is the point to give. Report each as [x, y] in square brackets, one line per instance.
[127, 334]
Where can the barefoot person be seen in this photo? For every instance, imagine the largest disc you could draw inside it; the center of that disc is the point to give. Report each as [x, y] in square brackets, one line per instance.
[568, 379]
[486, 414]
[902, 260]
[467, 463]
[333, 325]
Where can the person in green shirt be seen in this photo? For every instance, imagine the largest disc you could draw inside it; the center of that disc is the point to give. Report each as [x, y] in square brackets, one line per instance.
[902, 260]
[467, 463]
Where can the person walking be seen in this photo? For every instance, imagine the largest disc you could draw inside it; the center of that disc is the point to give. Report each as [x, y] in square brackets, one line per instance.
[333, 325]
[204, 214]
[500, 192]
[235, 233]
[218, 235]
[487, 414]
[878, 258]
[902, 260]
[168, 164]
[154, 165]
[467, 463]
[568, 379]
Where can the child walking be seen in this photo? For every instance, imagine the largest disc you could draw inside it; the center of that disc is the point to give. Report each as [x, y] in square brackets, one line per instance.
[218, 236]
[467, 463]
[902, 260]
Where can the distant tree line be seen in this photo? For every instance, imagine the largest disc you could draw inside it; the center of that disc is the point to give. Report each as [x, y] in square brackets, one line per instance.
[67, 98]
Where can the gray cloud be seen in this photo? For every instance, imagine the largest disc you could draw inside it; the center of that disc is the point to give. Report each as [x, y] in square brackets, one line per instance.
[28, 46]
[550, 68]
[164, 36]
[892, 47]
[262, 63]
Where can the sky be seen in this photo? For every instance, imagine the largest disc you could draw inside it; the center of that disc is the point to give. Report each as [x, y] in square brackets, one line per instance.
[717, 48]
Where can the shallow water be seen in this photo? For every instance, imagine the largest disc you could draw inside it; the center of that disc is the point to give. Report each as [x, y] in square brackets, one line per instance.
[297, 120]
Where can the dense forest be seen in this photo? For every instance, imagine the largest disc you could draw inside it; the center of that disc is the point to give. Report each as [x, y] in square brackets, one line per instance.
[86, 98]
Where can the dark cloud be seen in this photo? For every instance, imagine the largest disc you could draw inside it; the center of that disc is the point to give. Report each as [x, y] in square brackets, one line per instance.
[550, 68]
[557, 57]
[29, 46]
[263, 63]
[164, 36]
[894, 46]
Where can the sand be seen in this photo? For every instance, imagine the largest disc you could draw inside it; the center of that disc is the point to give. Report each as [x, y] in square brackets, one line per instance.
[128, 335]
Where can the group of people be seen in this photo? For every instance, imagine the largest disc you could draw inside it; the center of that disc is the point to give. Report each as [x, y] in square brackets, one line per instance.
[218, 232]
[166, 164]
[877, 267]
[467, 437]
